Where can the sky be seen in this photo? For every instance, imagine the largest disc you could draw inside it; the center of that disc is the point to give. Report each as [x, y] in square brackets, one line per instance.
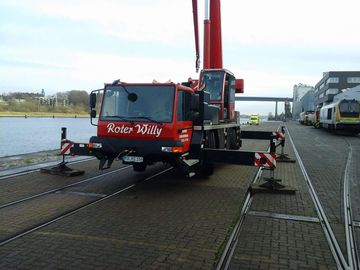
[81, 44]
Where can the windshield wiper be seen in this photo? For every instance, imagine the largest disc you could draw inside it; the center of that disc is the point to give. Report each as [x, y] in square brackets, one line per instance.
[124, 118]
[145, 117]
[127, 118]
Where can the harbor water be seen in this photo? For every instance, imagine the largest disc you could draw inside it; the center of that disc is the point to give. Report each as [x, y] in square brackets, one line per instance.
[27, 135]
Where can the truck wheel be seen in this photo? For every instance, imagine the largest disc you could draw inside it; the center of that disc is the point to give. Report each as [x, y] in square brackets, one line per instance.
[232, 139]
[207, 169]
[139, 167]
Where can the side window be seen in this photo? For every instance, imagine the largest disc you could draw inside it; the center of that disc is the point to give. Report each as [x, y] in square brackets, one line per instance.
[232, 90]
[229, 91]
[214, 83]
[183, 106]
[180, 109]
[329, 114]
[110, 105]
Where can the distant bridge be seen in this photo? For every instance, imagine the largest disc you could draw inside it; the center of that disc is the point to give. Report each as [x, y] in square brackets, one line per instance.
[273, 99]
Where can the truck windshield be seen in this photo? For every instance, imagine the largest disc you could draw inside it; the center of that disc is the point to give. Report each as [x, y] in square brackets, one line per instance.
[153, 103]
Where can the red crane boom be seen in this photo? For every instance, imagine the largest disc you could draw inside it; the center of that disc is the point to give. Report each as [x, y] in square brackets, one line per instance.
[196, 32]
[215, 35]
[212, 58]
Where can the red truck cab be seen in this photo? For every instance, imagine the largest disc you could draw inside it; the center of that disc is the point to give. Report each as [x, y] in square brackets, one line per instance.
[144, 123]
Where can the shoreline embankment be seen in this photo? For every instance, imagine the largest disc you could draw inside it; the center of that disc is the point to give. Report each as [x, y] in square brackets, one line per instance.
[43, 115]
[22, 160]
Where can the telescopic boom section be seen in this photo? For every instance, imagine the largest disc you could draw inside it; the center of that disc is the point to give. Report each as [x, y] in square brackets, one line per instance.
[207, 31]
[196, 32]
[215, 35]
[212, 34]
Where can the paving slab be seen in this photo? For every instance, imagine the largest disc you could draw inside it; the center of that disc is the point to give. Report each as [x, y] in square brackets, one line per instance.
[267, 243]
[15, 188]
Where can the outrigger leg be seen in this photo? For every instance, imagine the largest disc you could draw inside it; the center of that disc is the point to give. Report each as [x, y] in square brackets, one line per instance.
[61, 168]
[282, 157]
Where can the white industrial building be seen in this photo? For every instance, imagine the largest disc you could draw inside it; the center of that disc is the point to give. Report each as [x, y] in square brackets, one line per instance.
[299, 91]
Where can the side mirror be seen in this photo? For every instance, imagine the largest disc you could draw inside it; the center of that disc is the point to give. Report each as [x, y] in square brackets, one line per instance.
[92, 100]
[239, 86]
[93, 113]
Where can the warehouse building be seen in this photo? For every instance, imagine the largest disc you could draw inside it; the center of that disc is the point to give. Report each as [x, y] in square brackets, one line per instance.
[299, 92]
[332, 83]
[308, 101]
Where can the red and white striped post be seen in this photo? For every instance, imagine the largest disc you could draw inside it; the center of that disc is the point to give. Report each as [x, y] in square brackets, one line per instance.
[65, 144]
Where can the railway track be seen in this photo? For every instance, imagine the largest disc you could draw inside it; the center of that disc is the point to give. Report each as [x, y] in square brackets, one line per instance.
[230, 247]
[352, 251]
[352, 261]
[61, 188]
[35, 168]
[30, 230]
[227, 255]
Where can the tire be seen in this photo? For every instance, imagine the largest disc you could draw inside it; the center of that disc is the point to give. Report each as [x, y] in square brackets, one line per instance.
[207, 169]
[139, 167]
[232, 139]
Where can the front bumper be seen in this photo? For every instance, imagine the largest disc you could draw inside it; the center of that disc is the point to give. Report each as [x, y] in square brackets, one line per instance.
[348, 127]
[111, 148]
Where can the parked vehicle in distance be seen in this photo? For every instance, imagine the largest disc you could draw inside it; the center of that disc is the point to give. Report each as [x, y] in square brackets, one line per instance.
[254, 119]
[342, 116]
[307, 118]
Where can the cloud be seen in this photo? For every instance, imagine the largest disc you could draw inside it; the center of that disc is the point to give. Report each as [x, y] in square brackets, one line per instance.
[28, 64]
[78, 70]
[271, 44]
[147, 21]
[307, 22]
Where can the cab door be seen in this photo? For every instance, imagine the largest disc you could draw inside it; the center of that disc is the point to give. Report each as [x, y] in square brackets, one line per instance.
[229, 98]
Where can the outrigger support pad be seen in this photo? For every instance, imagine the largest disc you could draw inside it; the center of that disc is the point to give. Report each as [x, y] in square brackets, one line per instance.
[62, 169]
[271, 185]
[284, 158]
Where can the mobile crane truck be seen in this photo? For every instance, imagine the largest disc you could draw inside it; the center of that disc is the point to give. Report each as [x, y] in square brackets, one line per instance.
[191, 125]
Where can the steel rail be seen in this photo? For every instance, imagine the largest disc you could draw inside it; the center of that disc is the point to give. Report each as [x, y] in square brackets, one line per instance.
[329, 234]
[25, 170]
[228, 252]
[61, 188]
[351, 248]
[76, 210]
